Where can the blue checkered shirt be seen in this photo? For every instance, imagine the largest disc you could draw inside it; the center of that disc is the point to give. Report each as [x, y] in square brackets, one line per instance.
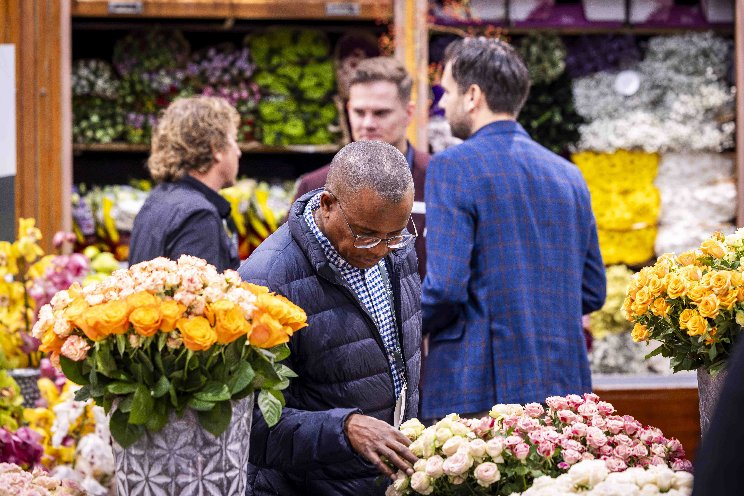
[370, 288]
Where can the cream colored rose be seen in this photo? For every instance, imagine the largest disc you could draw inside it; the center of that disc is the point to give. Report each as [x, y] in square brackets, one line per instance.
[412, 429]
[421, 483]
[452, 445]
[434, 466]
[458, 464]
[487, 473]
[443, 434]
[477, 448]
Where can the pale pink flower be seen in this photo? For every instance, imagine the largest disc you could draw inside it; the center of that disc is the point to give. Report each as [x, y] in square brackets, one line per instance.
[631, 425]
[658, 450]
[75, 348]
[526, 424]
[487, 473]
[521, 451]
[587, 456]
[62, 328]
[588, 409]
[605, 408]
[675, 448]
[571, 456]
[453, 444]
[595, 437]
[657, 460]
[546, 449]
[421, 483]
[571, 444]
[591, 397]
[682, 465]
[615, 464]
[494, 447]
[574, 400]
[434, 466]
[640, 450]
[458, 464]
[578, 429]
[605, 450]
[534, 410]
[536, 436]
[615, 426]
[509, 422]
[567, 416]
[598, 421]
[557, 403]
[622, 451]
[622, 439]
[477, 448]
[513, 441]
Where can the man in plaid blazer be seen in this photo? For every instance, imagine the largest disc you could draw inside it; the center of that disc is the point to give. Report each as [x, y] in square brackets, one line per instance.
[513, 257]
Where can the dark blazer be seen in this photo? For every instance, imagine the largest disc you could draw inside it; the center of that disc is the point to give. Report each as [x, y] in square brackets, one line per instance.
[317, 179]
[341, 364]
[183, 218]
[513, 264]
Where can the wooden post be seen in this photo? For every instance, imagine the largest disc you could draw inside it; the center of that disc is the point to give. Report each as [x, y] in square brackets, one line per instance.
[43, 110]
[740, 111]
[412, 49]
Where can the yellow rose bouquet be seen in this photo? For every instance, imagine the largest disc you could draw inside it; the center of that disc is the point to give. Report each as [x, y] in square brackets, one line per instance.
[692, 303]
[164, 336]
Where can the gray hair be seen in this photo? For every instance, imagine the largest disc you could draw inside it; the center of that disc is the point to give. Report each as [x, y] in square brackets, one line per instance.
[372, 165]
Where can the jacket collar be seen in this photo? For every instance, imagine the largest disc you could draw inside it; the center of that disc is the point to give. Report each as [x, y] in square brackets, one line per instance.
[500, 127]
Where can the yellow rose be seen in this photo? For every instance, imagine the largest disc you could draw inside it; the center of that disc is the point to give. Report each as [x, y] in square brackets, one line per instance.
[283, 310]
[660, 307]
[197, 334]
[736, 278]
[644, 297]
[640, 333]
[267, 332]
[230, 324]
[697, 292]
[729, 299]
[146, 320]
[676, 286]
[75, 313]
[628, 309]
[50, 342]
[708, 306]
[642, 277]
[718, 282]
[660, 270]
[110, 318]
[142, 299]
[170, 312]
[692, 272]
[87, 322]
[685, 317]
[740, 294]
[687, 258]
[713, 247]
[697, 325]
[655, 285]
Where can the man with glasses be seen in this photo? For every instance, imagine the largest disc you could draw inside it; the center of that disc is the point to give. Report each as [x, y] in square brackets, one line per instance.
[346, 256]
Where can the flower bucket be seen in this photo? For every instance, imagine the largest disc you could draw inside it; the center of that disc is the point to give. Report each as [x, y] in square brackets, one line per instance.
[27, 381]
[709, 389]
[184, 459]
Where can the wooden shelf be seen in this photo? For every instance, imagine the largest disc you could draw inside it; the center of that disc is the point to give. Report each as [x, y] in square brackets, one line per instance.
[237, 9]
[248, 147]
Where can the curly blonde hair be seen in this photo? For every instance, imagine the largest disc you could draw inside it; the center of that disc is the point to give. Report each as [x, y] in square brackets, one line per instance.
[187, 135]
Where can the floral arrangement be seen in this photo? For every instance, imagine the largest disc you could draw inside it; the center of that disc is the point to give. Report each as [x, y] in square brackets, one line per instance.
[14, 481]
[21, 262]
[505, 452]
[544, 55]
[591, 478]
[164, 336]
[691, 303]
[589, 54]
[549, 116]
[295, 71]
[625, 202]
[664, 104]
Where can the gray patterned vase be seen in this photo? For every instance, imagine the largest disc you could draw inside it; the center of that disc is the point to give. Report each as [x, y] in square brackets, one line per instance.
[27, 380]
[709, 389]
[184, 459]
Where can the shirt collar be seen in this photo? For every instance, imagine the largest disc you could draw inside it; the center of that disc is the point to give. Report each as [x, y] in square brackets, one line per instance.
[222, 205]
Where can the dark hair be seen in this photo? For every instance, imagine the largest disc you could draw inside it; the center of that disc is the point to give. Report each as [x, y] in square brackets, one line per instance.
[384, 69]
[495, 66]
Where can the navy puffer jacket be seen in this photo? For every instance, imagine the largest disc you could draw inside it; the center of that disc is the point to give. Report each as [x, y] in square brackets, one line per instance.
[341, 365]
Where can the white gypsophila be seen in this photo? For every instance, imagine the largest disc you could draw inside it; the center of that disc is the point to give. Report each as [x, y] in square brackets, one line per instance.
[439, 134]
[596, 98]
[638, 129]
[692, 169]
[692, 53]
[679, 237]
[711, 203]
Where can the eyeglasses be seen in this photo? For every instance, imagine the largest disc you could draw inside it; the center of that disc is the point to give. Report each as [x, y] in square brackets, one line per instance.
[366, 242]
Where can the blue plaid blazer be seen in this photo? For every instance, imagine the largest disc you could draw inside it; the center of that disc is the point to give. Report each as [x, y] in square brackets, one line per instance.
[513, 263]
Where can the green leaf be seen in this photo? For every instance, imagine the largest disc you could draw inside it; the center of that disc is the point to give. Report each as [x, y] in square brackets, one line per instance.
[713, 352]
[104, 360]
[83, 394]
[158, 359]
[657, 351]
[201, 405]
[279, 396]
[124, 432]
[284, 371]
[73, 371]
[121, 387]
[121, 343]
[142, 404]
[241, 378]
[270, 407]
[161, 387]
[217, 419]
[213, 391]
[162, 340]
[158, 417]
[280, 352]
[125, 405]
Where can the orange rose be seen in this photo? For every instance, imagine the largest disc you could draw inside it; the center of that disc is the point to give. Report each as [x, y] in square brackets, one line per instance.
[255, 288]
[697, 325]
[111, 318]
[76, 314]
[640, 333]
[146, 320]
[267, 332]
[142, 299]
[708, 306]
[230, 323]
[50, 342]
[687, 258]
[711, 336]
[87, 322]
[170, 312]
[713, 247]
[283, 310]
[676, 286]
[197, 334]
[660, 307]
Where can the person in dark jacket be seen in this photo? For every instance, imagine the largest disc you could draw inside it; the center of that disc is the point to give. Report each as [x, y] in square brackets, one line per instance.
[380, 108]
[194, 155]
[346, 257]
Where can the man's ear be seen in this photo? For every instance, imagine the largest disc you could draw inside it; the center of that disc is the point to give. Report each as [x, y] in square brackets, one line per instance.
[474, 97]
[410, 109]
[326, 202]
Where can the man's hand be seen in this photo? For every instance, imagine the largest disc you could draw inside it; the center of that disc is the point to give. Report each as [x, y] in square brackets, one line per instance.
[374, 439]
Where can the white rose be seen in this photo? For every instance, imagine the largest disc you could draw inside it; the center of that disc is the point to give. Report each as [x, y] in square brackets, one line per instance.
[434, 466]
[494, 447]
[443, 434]
[452, 445]
[588, 473]
[648, 489]
[458, 464]
[487, 473]
[615, 489]
[420, 465]
[460, 429]
[664, 479]
[421, 483]
[477, 448]
[683, 481]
